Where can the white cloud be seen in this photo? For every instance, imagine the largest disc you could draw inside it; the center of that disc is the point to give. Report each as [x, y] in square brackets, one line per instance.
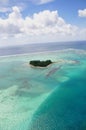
[44, 1]
[44, 22]
[11, 25]
[43, 26]
[82, 13]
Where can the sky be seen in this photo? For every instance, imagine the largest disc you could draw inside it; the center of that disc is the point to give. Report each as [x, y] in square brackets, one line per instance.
[41, 21]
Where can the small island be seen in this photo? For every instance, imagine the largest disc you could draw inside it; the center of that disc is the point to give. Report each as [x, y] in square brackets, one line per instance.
[38, 63]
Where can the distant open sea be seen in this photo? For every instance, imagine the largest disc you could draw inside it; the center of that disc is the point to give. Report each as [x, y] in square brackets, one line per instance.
[51, 98]
[30, 48]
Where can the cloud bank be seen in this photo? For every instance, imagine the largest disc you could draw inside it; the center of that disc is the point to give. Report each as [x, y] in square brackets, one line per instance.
[44, 22]
[41, 27]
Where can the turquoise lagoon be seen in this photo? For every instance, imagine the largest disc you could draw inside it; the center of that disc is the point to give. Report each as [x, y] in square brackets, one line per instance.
[51, 98]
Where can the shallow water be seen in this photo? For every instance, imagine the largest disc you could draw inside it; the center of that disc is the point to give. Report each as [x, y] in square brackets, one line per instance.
[43, 98]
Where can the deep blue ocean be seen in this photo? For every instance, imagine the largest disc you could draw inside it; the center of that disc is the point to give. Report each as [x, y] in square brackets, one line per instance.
[52, 98]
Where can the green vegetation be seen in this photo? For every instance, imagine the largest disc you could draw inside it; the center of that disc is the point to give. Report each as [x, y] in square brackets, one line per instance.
[39, 63]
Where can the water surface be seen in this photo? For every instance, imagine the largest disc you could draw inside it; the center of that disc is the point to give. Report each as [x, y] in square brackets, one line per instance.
[51, 98]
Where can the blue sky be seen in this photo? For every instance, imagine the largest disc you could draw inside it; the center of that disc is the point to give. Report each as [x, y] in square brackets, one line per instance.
[38, 21]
